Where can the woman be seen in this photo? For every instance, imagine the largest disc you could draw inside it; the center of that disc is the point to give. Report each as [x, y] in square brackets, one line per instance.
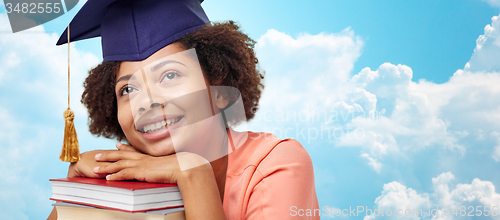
[165, 87]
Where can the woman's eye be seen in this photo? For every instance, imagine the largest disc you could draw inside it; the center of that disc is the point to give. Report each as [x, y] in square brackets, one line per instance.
[169, 76]
[127, 90]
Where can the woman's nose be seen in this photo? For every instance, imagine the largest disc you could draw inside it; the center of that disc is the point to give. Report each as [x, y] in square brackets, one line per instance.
[156, 104]
[149, 97]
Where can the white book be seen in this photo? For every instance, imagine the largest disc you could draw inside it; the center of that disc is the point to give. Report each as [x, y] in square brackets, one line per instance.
[116, 205]
[69, 211]
[119, 196]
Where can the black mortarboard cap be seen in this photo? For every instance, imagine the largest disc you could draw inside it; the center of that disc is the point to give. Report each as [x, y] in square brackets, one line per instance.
[132, 30]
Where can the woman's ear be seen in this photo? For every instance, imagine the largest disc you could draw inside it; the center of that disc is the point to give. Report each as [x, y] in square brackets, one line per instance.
[219, 99]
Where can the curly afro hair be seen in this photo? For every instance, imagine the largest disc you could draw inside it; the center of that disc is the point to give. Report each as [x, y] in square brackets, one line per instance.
[225, 54]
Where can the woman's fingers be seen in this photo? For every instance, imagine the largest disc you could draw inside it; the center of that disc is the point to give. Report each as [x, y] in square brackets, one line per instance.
[116, 155]
[115, 167]
[125, 174]
[98, 176]
[151, 176]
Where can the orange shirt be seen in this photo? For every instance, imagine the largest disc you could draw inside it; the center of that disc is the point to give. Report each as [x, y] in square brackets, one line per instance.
[268, 178]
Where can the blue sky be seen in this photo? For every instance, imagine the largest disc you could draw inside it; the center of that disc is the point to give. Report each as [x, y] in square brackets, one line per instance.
[408, 91]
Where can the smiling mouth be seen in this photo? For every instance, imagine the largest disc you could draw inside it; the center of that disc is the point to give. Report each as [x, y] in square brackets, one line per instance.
[154, 127]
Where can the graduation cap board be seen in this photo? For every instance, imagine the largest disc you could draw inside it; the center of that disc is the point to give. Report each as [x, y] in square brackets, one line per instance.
[130, 30]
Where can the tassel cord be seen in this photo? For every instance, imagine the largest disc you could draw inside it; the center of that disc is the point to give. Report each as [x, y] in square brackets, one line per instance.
[70, 151]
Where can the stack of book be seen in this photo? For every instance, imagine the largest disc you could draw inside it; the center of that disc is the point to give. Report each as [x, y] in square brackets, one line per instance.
[88, 198]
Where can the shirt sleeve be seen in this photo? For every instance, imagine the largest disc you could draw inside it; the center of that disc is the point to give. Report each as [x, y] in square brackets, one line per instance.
[286, 189]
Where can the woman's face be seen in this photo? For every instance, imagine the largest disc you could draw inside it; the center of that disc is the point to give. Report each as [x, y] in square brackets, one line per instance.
[164, 102]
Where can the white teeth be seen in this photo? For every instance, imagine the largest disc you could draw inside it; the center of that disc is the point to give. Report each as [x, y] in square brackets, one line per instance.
[159, 125]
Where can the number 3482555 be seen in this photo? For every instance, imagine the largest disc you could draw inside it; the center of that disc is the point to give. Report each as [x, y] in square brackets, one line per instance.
[33, 8]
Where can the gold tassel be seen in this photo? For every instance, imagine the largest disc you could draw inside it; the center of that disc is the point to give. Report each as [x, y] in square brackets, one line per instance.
[70, 151]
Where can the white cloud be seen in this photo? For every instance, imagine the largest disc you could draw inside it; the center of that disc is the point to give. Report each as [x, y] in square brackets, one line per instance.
[496, 152]
[478, 193]
[32, 64]
[312, 63]
[494, 3]
[487, 51]
[377, 166]
[413, 111]
[426, 114]
[396, 196]
[441, 188]
[322, 53]
[19, 160]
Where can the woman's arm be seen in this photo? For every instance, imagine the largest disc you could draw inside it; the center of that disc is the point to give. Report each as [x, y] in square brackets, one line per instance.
[200, 194]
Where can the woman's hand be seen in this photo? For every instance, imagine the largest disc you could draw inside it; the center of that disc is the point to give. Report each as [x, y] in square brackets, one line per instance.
[85, 166]
[128, 164]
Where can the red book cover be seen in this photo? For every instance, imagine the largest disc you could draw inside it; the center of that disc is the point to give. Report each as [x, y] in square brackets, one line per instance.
[129, 185]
